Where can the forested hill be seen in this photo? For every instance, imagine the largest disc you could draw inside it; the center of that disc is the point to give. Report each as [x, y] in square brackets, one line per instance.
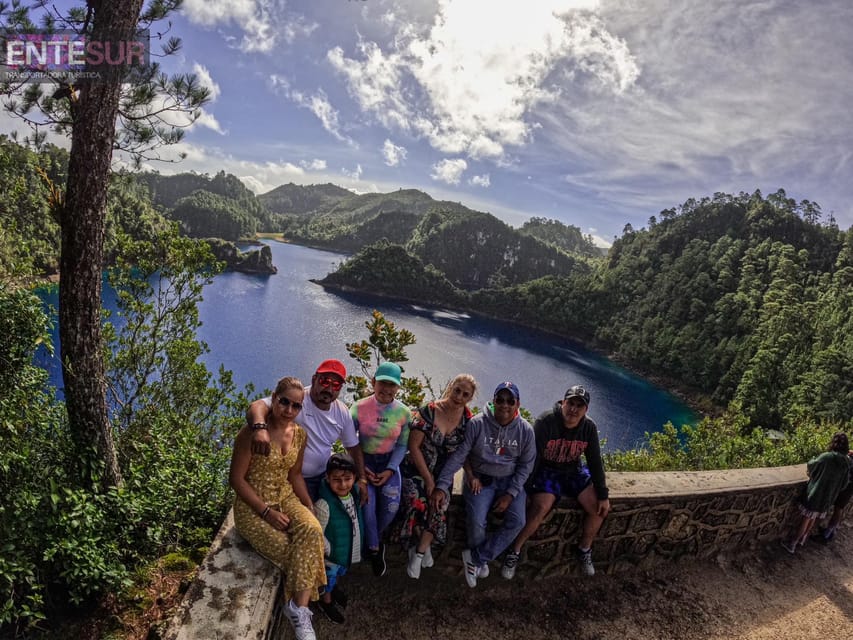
[294, 199]
[219, 206]
[357, 220]
[744, 298]
[29, 235]
[566, 237]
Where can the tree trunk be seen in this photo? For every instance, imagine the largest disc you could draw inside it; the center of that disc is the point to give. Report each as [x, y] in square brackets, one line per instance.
[82, 221]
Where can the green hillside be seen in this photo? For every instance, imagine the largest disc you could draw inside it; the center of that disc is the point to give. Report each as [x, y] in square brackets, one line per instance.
[299, 200]
[569, 238]
[228, 197]
[742, 299]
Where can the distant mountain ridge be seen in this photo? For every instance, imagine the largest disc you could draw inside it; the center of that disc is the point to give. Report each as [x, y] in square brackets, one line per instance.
[472, 249]
[294, 199]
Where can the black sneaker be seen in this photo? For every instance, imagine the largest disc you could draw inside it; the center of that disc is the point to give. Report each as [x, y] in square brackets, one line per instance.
[377, 561]
[339, 597]
[331, 611]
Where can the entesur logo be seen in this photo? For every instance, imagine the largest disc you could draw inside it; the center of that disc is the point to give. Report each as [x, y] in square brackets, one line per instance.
[67, 56]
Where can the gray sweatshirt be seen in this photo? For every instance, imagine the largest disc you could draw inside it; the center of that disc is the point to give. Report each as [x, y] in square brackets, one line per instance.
[494, 450]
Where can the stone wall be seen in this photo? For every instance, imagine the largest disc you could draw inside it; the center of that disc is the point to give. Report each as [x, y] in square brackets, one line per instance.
[655, 518]
[659, 517]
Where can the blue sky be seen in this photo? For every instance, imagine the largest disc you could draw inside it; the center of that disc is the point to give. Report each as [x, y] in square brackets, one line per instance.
[596, 113]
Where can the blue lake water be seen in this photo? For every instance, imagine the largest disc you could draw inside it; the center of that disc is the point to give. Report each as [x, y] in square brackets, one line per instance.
[265, 327]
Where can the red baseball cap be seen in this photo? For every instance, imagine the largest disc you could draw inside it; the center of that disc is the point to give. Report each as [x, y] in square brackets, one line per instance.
[333, 366]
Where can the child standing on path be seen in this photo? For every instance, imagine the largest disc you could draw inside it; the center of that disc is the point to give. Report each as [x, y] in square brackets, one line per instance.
[382, 423]
[828, 475]
[338, 510]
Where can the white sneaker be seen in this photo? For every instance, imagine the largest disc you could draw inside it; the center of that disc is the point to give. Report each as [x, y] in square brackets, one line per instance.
[413, 569]
[483, 570]
[585, 561]
[510, 563]
[427, 562]
[471, 569]
[300, 619]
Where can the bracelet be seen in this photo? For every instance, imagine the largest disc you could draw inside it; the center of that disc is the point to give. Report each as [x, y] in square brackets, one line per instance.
[265, 512]
[364, 480]
[259, 425]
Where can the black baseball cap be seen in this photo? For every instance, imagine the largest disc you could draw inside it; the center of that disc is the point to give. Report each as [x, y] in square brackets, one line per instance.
[577, 391]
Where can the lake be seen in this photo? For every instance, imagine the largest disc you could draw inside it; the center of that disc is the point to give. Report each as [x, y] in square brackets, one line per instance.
[265, 327]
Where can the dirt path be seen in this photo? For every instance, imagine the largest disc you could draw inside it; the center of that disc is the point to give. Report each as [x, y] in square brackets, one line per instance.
[769, 596]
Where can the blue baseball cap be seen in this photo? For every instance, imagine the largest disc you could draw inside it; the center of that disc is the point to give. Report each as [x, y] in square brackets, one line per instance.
[509, 386]
[389, 372]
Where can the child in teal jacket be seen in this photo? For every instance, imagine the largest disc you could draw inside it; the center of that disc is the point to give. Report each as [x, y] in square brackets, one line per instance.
[339, 512]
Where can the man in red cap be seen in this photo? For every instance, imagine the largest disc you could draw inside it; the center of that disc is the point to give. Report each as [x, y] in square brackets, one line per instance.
[325, 420]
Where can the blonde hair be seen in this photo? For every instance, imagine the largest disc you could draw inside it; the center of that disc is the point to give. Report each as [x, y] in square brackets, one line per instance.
[462, 377]
[288, 382]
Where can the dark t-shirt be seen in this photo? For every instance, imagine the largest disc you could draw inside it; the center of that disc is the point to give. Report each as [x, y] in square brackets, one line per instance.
[560, 449]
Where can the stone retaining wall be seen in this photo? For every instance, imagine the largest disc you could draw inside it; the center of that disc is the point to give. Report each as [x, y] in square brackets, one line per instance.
[655, 518]
[658, 517]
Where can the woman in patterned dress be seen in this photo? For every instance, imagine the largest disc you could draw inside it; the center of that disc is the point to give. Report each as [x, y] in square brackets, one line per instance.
[437, 429]
[272, 508]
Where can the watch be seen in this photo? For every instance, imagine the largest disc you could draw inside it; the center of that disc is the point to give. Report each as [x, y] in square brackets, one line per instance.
[259, 425]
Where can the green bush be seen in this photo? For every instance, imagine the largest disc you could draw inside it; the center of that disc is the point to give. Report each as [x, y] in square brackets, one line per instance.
[724, 442]
[173, 427]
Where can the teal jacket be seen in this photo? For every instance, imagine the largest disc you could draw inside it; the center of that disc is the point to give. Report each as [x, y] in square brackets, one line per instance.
[339, 528]
[828, 475]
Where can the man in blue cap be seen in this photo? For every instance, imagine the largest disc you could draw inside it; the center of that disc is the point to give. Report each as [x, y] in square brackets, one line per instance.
[501, 449]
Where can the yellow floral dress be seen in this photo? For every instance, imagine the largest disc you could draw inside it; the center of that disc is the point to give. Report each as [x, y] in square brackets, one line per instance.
[298, 552]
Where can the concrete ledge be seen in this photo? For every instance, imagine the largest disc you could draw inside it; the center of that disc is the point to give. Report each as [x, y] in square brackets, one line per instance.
[682, 483]
[233, 595]
[655, 518]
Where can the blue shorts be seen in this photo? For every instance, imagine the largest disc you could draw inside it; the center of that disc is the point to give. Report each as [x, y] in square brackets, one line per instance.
[559, 483]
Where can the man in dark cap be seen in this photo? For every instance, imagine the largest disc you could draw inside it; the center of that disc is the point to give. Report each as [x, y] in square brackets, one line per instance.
[563, 435]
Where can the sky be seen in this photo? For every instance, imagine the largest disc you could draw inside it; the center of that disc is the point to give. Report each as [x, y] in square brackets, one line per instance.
[594, 113]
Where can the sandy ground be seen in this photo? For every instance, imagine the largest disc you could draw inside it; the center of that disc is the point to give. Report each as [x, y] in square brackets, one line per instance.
[769, 594]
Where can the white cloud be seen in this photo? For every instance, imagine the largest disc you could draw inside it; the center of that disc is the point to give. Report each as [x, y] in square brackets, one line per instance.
[480, 181]
[475, 96]
[733, 97]
[314, 165]
[298, 27]
[393, 154]
[252, 184]
[262, 22]
[320, 106]
[354, 175]
[449, 171]
[206, 81]
[253, 17]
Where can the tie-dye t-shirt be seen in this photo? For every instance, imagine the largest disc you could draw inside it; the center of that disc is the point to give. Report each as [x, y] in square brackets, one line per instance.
[381, 426]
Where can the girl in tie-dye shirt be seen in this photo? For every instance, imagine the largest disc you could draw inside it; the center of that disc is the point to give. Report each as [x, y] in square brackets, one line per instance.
[382, 423]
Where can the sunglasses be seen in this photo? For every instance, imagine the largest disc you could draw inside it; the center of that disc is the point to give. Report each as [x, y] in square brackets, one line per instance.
[504, 400]
[287, 402]
[330, 383]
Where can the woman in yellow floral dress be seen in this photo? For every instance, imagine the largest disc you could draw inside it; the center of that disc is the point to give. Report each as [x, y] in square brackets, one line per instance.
[272, 508]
